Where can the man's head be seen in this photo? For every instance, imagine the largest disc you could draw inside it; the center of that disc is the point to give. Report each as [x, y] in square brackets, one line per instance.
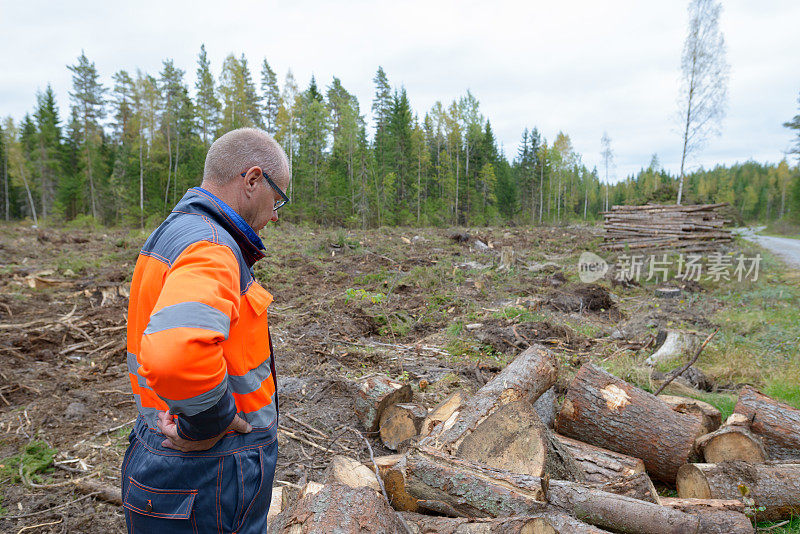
[233, 172]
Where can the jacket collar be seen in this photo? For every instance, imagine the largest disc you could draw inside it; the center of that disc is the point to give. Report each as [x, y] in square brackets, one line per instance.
[198, 200]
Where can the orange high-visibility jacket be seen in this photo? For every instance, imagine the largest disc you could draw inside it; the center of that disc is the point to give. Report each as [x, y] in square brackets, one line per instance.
[198, 339]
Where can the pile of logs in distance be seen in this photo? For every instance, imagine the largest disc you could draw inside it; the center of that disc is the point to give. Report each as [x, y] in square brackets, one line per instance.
[688, 228]
[491, 463]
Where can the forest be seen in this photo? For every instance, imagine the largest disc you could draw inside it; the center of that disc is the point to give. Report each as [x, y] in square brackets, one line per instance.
[122, 155]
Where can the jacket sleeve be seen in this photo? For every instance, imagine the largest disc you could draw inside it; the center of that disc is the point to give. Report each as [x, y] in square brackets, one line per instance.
[181, 350]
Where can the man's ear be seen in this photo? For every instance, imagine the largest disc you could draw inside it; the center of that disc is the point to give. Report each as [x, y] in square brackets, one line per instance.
[251, 178]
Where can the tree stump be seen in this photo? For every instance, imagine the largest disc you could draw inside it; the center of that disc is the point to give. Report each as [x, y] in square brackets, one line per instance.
[777, 423]
[773, 485]
[374, 395]
[400, 423]
[608, 412]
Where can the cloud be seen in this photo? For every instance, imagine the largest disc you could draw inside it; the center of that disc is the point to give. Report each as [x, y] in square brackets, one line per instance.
[579, 67]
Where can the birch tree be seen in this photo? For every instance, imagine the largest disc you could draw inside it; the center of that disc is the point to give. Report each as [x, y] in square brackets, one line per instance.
[704, 88]
[608, 159]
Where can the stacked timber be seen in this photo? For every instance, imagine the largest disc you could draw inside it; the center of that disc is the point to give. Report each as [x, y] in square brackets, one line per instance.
[688, 228]
[487, 463]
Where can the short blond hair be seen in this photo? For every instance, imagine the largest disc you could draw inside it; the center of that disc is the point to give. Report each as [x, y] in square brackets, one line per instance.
[238, 150]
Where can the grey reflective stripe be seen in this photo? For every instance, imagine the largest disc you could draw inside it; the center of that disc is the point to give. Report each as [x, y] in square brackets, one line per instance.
[263, 417]
[133, 368]
[198, 403]
[150, 414]
[251, 380]
[189, 315]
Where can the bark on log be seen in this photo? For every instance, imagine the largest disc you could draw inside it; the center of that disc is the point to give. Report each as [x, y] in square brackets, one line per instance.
[608, 412]
[351, 473]
[710, 416]
[341, 509]
[104, 492]
[374, 395]
[716, 516]
[499, 426]
[618, 512]
[777, 423]
[638, 486]
[400, 423]
[546, 408]
[601, 465]
[775, 486]
[552, 522]
[474, 490]
[732, 442]
[442, 411]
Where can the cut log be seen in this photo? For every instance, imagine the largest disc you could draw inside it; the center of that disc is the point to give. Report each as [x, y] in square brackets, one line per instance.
[545, 407]
[351, 473]
[310, 488]
[526, 378]
[341, 509]
[474, 490]
[710, 416]
[775, 486]
[104, 492]
[601, 465]
[279, 501]
[552, 522]
[608, 412]
[618, 512]
[499, 426]
[716, 516]
[777, 423]
[442, 411]
[638, 486]
[374, 395]
[400, 423]
[732, 442]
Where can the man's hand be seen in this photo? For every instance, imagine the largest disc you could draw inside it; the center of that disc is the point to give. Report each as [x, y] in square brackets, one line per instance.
[168, 427]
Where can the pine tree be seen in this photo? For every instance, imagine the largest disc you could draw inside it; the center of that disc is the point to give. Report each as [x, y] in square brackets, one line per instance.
[286, 122]
[88, 99]
[208, 105]
[270, 96]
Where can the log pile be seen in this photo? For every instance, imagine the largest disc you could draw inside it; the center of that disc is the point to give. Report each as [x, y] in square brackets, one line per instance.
[688, 228]
[487, 463]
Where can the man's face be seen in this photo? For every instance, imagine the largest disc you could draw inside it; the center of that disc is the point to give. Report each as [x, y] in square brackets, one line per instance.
[263, 199]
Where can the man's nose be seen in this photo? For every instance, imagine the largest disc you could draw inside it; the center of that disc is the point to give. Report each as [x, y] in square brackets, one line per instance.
[274, 217]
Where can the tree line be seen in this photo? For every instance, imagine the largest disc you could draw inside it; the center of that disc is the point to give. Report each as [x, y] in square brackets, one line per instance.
[124, 155]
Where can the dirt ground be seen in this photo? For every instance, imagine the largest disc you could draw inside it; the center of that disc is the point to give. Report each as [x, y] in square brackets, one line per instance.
[417, 305]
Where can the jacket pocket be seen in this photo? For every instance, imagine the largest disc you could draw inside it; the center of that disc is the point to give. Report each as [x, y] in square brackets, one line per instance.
[155, 509]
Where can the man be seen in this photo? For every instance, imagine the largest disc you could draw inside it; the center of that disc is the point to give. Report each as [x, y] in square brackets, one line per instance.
[203, 450]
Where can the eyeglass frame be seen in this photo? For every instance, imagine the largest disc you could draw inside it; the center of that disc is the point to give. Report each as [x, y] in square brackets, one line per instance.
[278, 203]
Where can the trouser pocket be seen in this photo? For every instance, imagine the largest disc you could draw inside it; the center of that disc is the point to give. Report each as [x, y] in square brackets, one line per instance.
[150, 509]
[254, 487]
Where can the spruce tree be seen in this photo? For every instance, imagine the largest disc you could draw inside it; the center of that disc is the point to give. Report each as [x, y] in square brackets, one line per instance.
[48, 148]
[208, 106]
[88, 99]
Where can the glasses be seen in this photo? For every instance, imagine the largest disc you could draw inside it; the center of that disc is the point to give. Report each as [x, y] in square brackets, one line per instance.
[278, 203]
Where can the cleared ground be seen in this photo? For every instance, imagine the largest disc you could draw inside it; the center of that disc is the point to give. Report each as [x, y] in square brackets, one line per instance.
[414, 304]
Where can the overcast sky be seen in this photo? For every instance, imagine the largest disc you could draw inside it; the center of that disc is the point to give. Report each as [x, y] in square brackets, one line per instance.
[582, 67]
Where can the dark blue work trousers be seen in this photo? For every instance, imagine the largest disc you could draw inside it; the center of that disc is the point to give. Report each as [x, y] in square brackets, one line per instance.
[226, 489]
